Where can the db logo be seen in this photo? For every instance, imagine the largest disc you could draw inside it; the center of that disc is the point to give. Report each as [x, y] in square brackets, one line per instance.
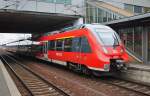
[115, 51]
[58, 54]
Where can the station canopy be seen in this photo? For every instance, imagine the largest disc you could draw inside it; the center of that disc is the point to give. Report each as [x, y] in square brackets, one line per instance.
[137, 20]
[16, 21]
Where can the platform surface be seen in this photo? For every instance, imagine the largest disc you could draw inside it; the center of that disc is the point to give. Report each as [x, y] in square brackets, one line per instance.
[144, 67]
[7, 85]
[4, 91]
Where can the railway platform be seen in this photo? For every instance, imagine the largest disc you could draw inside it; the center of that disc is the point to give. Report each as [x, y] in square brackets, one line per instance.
[143, 67]
[138, 72]
[7, 86]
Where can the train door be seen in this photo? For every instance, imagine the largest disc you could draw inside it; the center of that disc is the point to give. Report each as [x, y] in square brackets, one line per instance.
[84, 50]
[76, 47]
[45, 50]
[81, 48]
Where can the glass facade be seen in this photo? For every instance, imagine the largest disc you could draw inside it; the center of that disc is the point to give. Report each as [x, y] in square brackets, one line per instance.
[138, 40]
[136, 9]
[67, 2]
[99, 15]
[132, 38]
[148, 28]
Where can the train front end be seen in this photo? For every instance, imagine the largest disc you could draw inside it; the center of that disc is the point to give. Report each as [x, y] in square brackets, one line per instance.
[112, 53]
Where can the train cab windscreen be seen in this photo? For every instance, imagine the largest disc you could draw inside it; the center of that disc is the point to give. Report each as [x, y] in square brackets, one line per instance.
[108, 37]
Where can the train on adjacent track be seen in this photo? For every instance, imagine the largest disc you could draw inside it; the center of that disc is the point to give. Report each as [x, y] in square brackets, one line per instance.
[83, 48]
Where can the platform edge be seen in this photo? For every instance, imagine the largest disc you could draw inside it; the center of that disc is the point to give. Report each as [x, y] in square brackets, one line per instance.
[10, 83]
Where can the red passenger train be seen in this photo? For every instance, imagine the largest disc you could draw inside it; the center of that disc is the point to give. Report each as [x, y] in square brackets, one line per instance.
[86, 47]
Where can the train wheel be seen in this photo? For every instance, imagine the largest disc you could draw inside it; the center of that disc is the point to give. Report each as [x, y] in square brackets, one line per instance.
[69, 66]
[79, 68]
[72, 66]
[97, 74]
[86, 71]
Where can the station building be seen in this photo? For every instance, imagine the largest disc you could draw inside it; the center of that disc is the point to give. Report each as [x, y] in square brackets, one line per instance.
[98, 11]
[134, 6]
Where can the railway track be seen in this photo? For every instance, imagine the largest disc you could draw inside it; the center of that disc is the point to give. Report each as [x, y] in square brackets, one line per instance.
[124, 84]
[139, 88]
[129, 85]
[35, 84]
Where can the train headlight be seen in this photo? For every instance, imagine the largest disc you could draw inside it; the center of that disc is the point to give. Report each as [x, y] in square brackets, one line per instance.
[106, 67]
[105, 50]
[121, 50]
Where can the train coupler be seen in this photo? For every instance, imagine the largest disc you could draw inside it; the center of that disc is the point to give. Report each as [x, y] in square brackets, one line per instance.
[118, 65]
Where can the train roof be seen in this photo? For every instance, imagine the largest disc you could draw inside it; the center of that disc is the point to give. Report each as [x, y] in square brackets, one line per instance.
[90, 26]
[96, 25]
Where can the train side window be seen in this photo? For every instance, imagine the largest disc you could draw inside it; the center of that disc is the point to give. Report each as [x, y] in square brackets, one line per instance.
[46, 47]
[43, 49]
[76, 44]
[51, 45]
[59, 45]
[85, 47]
[68, 45]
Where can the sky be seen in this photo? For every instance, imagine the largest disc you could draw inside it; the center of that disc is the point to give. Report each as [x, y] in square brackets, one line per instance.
[9, 37]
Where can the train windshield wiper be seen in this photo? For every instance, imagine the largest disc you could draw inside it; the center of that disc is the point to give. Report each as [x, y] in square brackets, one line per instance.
[116, 42]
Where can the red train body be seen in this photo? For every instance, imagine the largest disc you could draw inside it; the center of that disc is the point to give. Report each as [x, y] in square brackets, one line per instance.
[90, 46]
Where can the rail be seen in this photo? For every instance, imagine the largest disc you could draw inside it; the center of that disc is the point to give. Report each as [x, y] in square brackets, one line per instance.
[35, 84]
